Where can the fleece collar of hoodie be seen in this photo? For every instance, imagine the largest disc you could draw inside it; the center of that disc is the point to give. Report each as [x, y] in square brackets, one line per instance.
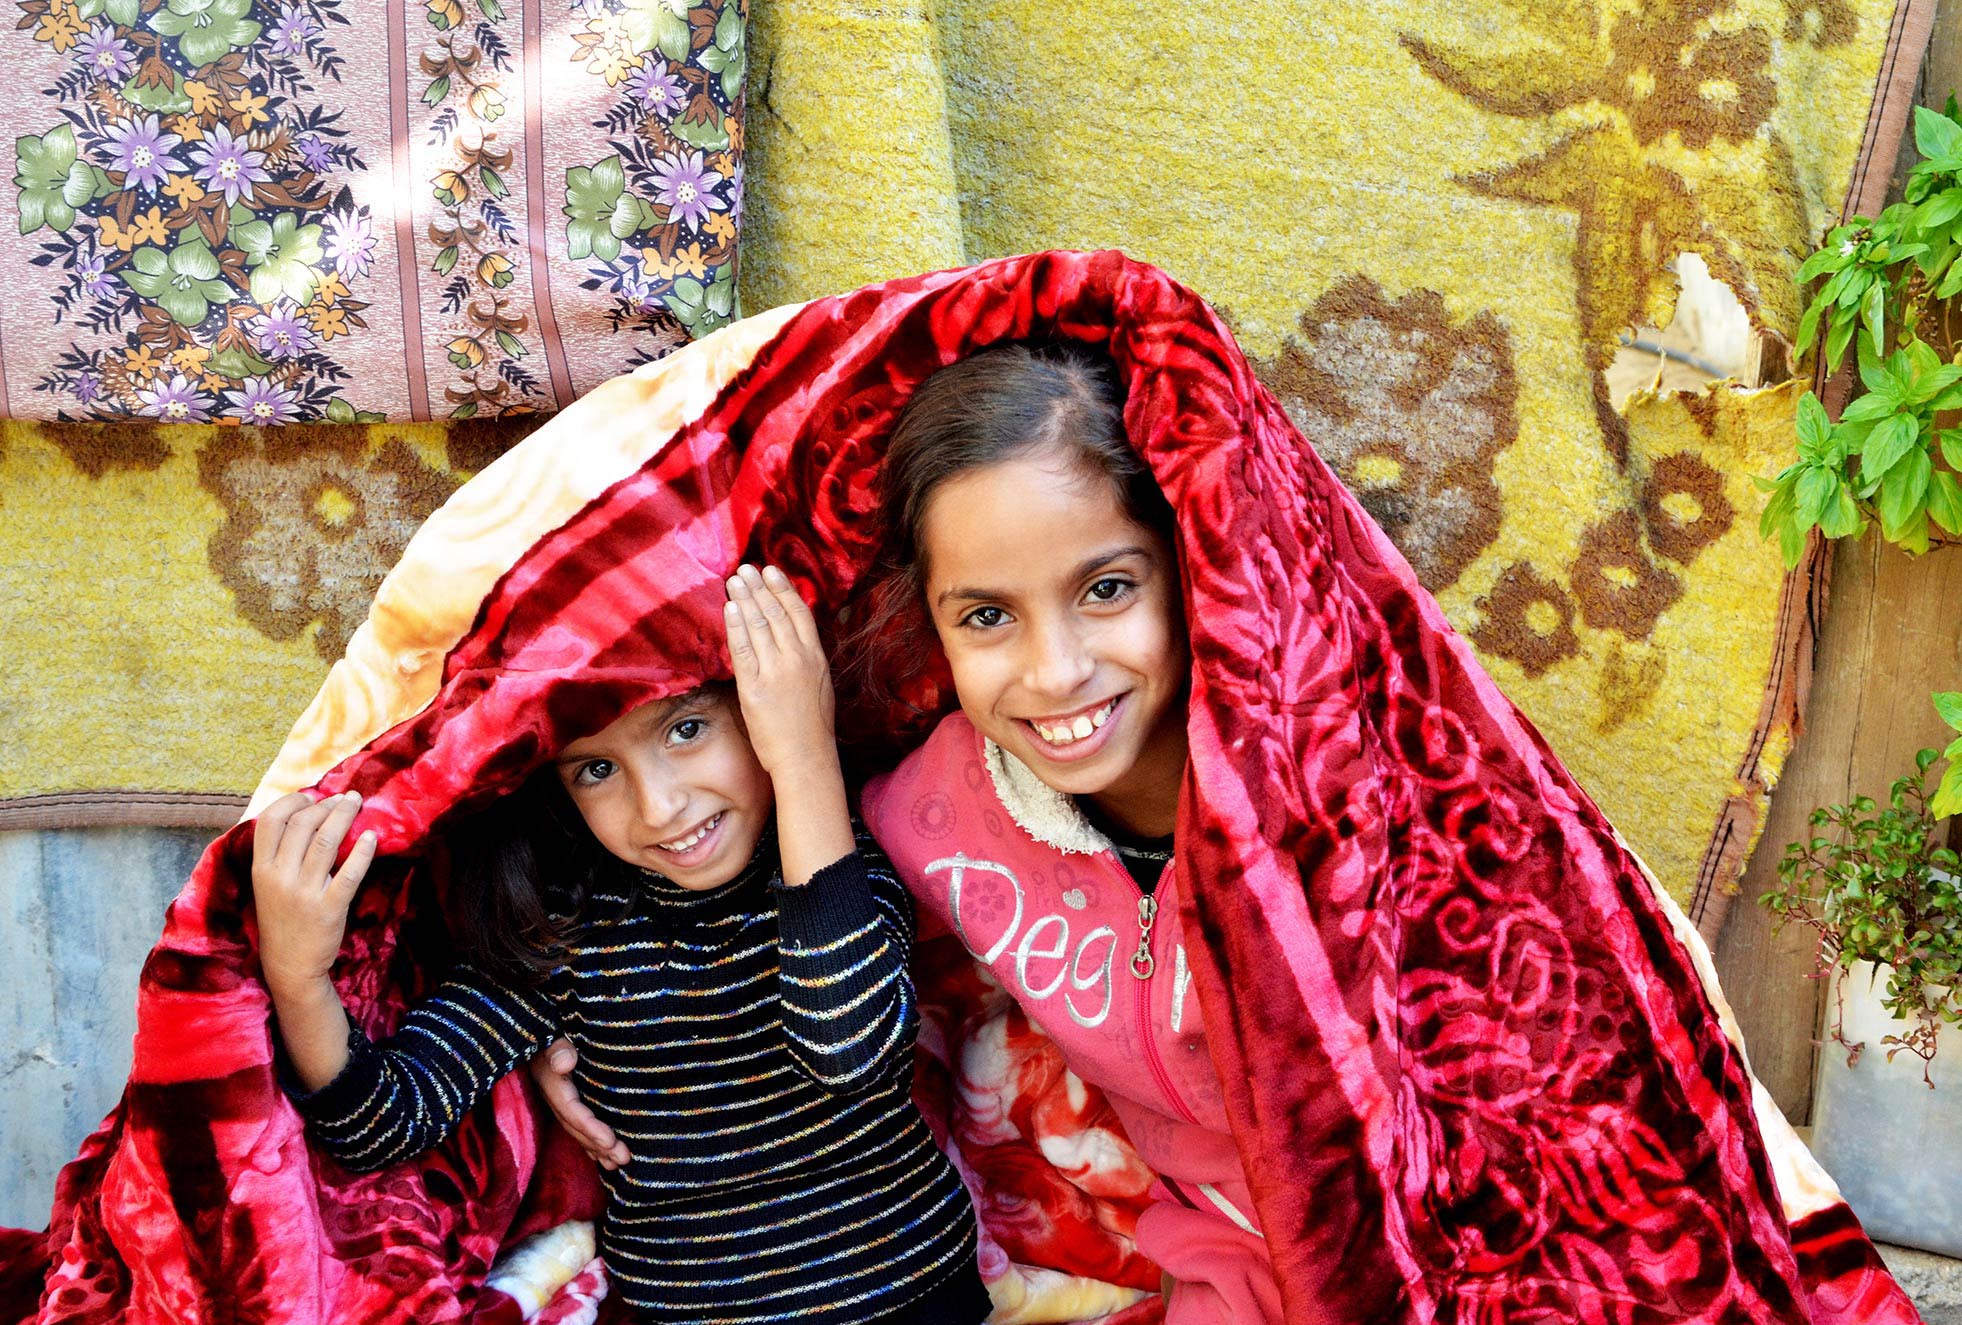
[1043, 812]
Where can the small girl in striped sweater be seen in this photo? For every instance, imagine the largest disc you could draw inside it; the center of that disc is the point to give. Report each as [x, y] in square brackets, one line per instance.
[727, 952]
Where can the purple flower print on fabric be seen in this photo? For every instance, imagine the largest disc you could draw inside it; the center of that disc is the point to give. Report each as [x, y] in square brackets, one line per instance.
[350, 243]
[280, 332]
[175, 401]
[103, 56]
[686, 187]
[226, 165]
[261, 402]
[655, 87]
[93, 279]
[294, 29]
[140, 148]
[315, 153]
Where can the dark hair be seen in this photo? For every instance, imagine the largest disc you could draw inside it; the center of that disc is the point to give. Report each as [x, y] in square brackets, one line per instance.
[522, 873]
[994, 406]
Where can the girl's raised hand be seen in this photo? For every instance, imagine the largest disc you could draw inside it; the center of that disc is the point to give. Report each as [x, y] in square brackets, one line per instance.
[300, 899]
[783, 680]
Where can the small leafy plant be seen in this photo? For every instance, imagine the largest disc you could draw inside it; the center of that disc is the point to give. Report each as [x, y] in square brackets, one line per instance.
[1885, 459]
[1877, 885]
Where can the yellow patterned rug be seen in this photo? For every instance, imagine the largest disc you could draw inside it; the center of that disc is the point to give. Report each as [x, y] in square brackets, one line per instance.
[1429, 223]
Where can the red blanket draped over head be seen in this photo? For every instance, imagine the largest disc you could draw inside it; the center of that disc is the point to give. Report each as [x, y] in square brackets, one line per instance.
[1476, 1064]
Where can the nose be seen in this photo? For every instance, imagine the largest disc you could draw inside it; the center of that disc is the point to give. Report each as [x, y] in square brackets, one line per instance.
[1058, 661]
[659, 797]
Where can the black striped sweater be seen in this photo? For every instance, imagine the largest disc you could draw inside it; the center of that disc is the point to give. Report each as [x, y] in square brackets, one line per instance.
[753, 1047]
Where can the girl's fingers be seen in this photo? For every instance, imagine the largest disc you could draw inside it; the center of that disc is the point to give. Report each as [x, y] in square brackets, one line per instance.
[795, 611]
[297, 840]
[745, 598]
[342, 887]
[271, 826]
[742, 655]
[331, 832]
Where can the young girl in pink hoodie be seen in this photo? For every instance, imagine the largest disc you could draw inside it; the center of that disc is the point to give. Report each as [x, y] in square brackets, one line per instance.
[1036, 823]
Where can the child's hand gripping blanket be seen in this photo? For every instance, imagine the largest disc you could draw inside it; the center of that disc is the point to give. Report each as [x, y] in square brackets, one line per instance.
[1476, 1064]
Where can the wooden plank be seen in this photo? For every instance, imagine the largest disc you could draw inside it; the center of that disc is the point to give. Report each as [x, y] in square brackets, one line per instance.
[1892, 635]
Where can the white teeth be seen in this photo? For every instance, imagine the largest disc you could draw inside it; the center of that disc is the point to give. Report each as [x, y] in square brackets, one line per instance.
[681, 844]
[1069, 733]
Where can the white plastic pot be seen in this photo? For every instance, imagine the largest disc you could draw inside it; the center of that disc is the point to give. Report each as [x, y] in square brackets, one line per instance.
[1893, 1145]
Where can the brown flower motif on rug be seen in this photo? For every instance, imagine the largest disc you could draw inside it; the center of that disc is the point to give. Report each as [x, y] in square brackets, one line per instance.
[1528, 619]
[314, 517]
[1411, 409]
[1666, 145]
[1617, 586]
[1684, 508]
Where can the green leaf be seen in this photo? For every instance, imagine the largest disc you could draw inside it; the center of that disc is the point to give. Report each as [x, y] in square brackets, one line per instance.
[1936, 135]
[1916, 363]
[123, 12]
[1816, 487]
[1858, 281]
[493, 182]
[1948, 703]
[42, 167]
[1836, 343]
[446, 260]
[1842, 518]
[434, 94]
[85, 182]
[148, 272]
[1951, 440]
[1813, 424]
[1778, 509]
[1945, 501]
[339, 411]
[1825, 260]
[1837, 285]
[491, 10]
[240, 363]
[1951, 283]
[1904, 494]
[653, 25]
[163, 98]
[511, 345]
[1868, 408]
[1886, 444]
[1873, 311]
[1939, 211]
[708, 135]
[467, 410]
[1808, 327]
[1947, 799]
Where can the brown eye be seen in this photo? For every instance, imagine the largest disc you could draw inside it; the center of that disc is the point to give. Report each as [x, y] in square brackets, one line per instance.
[686, 731]
[985, 618]
[592, 772]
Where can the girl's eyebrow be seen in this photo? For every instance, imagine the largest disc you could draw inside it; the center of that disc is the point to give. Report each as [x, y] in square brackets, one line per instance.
[1089, 564]
[661, 712]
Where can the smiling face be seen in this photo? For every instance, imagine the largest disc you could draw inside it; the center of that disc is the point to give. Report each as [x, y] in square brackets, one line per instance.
[1060, 616]
[673, 787]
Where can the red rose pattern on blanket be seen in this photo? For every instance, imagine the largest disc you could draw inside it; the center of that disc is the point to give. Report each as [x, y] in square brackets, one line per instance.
[1484, 1079]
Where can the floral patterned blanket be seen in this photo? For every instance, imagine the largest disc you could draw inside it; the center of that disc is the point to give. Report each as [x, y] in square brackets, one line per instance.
[1487, 1077]
[269, 211]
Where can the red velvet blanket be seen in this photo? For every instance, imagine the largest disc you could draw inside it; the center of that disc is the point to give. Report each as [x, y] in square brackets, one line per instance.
[1475, 1063]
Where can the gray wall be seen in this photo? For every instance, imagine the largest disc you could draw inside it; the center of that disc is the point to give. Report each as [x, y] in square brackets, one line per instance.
[79, 910]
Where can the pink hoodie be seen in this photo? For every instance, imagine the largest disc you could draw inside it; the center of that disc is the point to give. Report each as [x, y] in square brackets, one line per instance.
[1035, 892]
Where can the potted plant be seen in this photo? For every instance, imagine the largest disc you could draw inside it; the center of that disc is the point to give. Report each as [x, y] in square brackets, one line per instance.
[1884, 460]
[1882, 890]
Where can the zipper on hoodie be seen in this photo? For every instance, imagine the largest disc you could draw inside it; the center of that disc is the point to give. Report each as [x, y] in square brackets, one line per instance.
[1143, 963]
